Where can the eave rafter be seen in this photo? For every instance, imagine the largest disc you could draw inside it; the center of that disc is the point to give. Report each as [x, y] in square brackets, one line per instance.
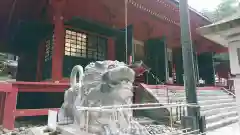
[173, 18]
[151, 12]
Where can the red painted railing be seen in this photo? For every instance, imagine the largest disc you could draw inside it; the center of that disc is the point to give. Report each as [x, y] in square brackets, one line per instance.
[8, 99]
[2, 99]
[5, 88]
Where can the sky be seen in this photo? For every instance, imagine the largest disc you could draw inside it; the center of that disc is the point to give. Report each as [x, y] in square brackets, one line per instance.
[203, 4]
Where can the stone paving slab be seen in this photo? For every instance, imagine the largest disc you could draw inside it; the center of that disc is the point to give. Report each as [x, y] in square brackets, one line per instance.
[38, 131]
[233, 129]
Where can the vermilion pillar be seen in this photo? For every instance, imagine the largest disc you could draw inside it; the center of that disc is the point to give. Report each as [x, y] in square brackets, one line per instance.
[10, 108]
[111, 49]
[58, 45]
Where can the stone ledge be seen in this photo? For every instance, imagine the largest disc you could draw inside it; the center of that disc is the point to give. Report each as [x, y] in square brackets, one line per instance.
[71, 130]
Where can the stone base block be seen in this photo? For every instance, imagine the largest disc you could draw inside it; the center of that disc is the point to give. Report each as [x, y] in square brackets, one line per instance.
[38, 131]
[71, 130]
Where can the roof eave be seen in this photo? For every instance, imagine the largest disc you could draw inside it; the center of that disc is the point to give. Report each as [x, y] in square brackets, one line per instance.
[195, 11]
[220, 31]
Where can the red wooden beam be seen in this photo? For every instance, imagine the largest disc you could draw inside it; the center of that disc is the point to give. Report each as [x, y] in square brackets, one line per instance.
[5, 87]
[41, 86]
[33, 112]
[41, 90]
[40, 83]
[9, 108]
[2, 100]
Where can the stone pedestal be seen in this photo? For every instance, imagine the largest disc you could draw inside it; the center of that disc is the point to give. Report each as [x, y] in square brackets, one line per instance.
[71, 130]
[38, 131]
[237, 93]
[61, 130]
[234, 55]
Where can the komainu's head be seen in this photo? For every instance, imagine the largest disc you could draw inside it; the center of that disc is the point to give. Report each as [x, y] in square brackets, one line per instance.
[109, 77]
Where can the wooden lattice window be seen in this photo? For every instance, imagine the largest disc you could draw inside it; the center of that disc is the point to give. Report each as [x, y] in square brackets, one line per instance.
[96, 47]
[47, 69]
[48, 49]
[80, 44]
[75, 44]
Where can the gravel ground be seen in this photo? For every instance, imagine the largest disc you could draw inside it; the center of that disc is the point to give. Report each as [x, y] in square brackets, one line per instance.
[162, 130]
[22, 128]
[158, 129]
[16, 131]
[152, 129]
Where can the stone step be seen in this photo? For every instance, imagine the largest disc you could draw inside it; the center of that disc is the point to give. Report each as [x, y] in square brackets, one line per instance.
[198, 91]
[212, 106]
[220, 116]
[201, 99]
[164, 92]
[199, 95]
[211, 95]
[207, 102]
[218, 110]
[218, 107]
[183, 91]
[222, 123]
[215, 101]
[183, 99]
[183, 95]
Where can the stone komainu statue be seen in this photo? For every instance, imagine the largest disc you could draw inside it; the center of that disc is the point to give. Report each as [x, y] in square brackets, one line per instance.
[104, 83]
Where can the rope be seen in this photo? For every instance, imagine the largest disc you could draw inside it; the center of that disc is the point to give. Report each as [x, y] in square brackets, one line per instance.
[156, 78]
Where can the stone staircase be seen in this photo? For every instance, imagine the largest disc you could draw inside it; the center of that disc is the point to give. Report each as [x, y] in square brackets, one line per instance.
[216, 104]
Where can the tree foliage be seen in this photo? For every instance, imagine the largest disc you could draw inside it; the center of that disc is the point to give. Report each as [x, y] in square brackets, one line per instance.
[224, 9]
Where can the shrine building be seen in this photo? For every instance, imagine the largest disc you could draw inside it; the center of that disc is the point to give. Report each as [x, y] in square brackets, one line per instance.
[52, 36]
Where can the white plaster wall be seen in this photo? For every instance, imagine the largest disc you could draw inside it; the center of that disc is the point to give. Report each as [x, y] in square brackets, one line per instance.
[237, 93]
[232, 49]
